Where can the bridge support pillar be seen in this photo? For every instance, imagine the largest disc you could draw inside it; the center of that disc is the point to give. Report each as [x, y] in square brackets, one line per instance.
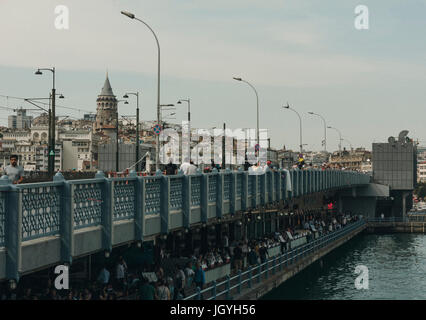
[13, 229]
[66, 219]
[139, 207]
[107, 207]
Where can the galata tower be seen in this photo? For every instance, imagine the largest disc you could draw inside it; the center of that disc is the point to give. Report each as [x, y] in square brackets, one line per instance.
[106, 107]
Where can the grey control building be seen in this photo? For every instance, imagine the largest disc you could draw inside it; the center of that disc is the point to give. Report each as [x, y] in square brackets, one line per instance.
[395, 165]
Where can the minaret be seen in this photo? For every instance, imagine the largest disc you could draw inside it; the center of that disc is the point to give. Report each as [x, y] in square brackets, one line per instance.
[106, 107]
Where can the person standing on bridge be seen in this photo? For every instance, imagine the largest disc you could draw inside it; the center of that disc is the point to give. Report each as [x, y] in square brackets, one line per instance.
[171, 168]
[263, 252]
[121, 271]
[188, 167]
[13, 171]
[200, 276]
[103, 277]
[238, 256]
[163, 292]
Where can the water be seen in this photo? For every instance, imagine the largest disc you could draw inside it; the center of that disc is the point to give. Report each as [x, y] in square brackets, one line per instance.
[396, 265]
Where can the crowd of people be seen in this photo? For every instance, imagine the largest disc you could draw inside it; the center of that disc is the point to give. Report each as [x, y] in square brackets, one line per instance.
[159, 281]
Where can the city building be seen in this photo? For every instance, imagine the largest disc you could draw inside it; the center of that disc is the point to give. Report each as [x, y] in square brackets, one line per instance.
[421, 153]
[20, 120]
[358, 159]
[107, 156]
[89, 117]
[79, 149]
[41, 157]
[421, 171]
[287, 158]
[316, 158]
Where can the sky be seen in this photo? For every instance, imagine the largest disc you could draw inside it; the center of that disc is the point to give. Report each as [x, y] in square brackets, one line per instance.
[369, 84]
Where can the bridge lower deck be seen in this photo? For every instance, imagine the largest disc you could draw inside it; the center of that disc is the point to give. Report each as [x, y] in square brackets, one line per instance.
[257, 281]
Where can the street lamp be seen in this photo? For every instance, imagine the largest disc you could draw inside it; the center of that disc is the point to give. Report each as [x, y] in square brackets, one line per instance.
[32, 101]
[157, 146]
[300, 125]
[325, 128]
[116, 140]
[257, 106]
[137, 125]
[168, 116]
[51, 155]
[189, 123]
[164, 106]
[348, 142]
[340, 138]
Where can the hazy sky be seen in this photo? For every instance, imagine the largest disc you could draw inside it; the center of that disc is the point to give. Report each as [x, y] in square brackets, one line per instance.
[367, 83]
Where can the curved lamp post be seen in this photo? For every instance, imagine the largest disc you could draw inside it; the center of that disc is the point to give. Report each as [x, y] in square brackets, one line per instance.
[257, 106]
[340, 138]
[325, 128]
[349, 143]
[157, 146]
[300, 125]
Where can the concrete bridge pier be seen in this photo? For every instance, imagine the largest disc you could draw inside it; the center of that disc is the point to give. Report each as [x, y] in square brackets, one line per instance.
[362, 200]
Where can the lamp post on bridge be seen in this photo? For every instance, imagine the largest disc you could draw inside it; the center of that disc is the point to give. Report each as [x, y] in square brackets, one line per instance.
[340, 138]
[171, 106]
[189, 122]
[137, 126]
[157, 146]
[257, 107]
[325, 128]
[348, 142]
[51, 153]
[300, 125]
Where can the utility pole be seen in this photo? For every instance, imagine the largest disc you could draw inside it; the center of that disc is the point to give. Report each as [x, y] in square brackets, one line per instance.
[53, 128]
[49, 138]
[137, 133]
[300, 125]
[189, 121]
[223, 146]
[52, 122]
[116, 142]
[137, 126]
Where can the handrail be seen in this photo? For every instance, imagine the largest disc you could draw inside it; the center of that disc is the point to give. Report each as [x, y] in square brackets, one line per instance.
[408, 218]
[291, 255]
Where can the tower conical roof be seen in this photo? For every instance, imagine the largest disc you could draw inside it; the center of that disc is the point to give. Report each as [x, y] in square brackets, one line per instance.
[107, 90]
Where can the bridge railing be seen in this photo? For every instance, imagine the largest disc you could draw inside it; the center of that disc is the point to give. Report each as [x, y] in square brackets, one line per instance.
[408, 218]
[118, 210]
[254, 274]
